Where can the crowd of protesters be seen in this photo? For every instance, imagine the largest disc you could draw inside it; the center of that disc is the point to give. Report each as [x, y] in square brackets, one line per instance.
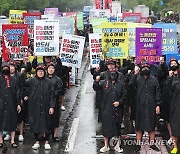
[32, 92]
[147, 90]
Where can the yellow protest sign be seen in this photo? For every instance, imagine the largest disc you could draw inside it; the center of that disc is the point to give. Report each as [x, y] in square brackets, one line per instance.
[115, 40]
[15, 16]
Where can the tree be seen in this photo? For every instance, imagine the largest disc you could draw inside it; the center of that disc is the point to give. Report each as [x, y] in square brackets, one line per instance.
[63, 5]
[4, 5]
[173, 5]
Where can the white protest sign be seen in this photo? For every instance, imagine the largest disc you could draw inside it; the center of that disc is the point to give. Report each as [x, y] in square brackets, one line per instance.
[71, 50]
[95, 49]
[46, 37]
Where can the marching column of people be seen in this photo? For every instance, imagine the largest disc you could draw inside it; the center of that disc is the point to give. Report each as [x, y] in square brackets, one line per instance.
[34, 100]
[147, 91]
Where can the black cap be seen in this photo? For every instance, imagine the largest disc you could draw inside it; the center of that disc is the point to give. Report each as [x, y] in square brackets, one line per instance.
[5, 64]
[51, 64]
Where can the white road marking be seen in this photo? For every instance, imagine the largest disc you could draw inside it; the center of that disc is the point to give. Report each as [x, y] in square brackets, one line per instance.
[72, 136]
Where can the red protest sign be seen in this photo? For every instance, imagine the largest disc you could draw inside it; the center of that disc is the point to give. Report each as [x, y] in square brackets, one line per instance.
[28, 18]
[15, 41]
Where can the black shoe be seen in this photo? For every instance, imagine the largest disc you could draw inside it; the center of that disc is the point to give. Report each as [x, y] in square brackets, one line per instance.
[155, 148]
[138, 148]
[14, 145]
[56, 139]
[1, 145]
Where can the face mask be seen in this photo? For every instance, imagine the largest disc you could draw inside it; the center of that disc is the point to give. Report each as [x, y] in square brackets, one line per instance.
[18, 66]
[146, 72]
[174, 68]
[113, 76]
[6, 72]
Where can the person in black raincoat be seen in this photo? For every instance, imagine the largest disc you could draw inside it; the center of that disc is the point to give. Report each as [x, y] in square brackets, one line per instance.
[58, 87]
[104, 75]
[148, 98]
[9, 103]
[41, 104]
[131, 92]
[167, 96]
[17, 77]
[113, 99]
[173, 85]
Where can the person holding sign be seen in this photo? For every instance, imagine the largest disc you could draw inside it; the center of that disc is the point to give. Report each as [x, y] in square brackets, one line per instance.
[41, 105]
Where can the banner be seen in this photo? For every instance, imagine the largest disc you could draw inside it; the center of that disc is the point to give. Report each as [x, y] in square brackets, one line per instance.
[115, 40]
[28, 18]
[46, 37]
[98, 13]
[53, 11]
[108, 5]
[148, 44]
[131, 17]
[15, 16]
[169, 37]
[97, 4]
[95, 44]
[71, 50]
[80, 24]
[132, 36]
[97, 24]
[15, 41]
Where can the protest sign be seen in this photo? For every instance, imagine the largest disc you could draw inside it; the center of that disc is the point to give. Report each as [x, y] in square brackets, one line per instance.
[97, 24]
[169, 37]
[48, 17]
[108, 5]
[148, 44]
[98, 13]
[3, 21]
[51, 11]
[28, 18]
[65, 25]
[15, 16]
[115, 40]
[95, 44]
[131, 17]
[132, 36]
[15, 41]
[97, 4]
[172, 56]
[71, 50]
[46, 37]
[80, 24]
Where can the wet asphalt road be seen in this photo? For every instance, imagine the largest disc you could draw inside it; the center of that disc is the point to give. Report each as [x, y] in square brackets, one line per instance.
[79, 130]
